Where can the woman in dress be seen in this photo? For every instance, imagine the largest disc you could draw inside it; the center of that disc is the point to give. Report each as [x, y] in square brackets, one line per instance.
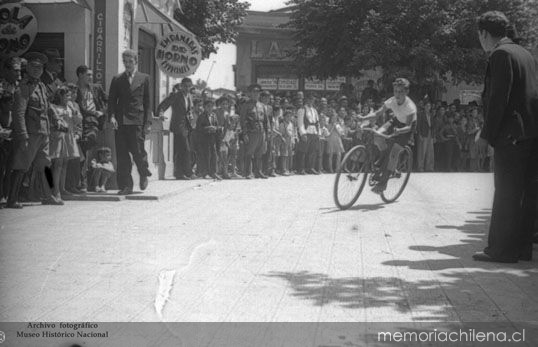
[63, 145]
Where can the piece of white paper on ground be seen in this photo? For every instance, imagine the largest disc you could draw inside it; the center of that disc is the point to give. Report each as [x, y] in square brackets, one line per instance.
[166, 277]
[166, 281]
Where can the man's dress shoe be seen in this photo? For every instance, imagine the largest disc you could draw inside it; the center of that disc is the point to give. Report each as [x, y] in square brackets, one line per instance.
[487, 258]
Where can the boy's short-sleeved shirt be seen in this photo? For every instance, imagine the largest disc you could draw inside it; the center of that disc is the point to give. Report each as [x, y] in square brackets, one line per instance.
[401, 112]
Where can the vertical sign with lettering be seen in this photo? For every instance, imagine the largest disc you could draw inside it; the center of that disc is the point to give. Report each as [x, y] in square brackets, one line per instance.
[99, 50]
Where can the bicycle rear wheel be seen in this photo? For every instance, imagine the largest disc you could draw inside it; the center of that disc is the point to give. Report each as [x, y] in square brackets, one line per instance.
[350, 177]
[398, 179]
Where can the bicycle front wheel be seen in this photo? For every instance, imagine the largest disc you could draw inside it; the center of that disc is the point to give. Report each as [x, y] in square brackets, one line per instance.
[350, 177]
[399, 178]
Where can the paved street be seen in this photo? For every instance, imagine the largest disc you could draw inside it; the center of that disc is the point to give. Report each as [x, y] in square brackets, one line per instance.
[264, 250]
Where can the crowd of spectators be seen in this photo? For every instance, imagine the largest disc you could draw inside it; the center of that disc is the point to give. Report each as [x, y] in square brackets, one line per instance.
[68, 158]
[49, 132]
[447, 138]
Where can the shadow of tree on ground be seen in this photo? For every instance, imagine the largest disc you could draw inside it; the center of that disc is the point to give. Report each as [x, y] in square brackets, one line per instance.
[450, 276]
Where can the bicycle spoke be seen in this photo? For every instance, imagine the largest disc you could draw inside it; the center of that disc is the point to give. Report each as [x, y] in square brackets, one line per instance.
[350, 178]
[398, 179]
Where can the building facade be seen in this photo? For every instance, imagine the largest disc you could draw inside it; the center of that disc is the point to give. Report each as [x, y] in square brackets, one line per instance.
[264, 50]
[95, 33]
[263, 57]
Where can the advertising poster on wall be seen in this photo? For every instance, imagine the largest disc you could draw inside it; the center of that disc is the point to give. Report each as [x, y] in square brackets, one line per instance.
[268, 83]
[288, 84]
[334, 84]
[18, 28]
[178, 54]
[314, 84]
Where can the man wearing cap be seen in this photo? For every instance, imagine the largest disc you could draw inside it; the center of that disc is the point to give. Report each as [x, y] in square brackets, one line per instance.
[254, 124]
[129, 110]
[309, 131]
[180, 125]
[9, 84]
[51, 77]
[31, 128]
[510, 100]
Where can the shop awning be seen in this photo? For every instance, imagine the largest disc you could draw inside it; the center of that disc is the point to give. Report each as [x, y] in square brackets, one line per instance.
[82, 3]
[147, 13]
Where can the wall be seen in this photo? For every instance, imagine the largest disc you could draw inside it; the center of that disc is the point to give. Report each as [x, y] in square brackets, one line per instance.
[114, 27]
[51, 19]
[244, 64]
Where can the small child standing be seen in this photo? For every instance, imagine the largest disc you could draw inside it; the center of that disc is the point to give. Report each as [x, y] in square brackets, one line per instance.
[102, 170]
[286, 142]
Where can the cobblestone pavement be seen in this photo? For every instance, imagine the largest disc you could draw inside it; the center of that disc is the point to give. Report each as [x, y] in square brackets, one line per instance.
[264, 250]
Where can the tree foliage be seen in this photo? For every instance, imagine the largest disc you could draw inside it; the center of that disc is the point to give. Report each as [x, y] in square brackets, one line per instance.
[212, 21]
[422, 40]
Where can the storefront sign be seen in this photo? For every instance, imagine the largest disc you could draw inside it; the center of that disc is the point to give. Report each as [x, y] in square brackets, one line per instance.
[334, 84]
[466, 96]
[314, 84]
[99, 45]
[178, 54]
[268, 83]
[288, 84]
[18, 28]
[271, 49]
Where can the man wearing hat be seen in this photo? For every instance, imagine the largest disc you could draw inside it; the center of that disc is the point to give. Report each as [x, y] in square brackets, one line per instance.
[31, 130]
[51, 77]
[255, 125]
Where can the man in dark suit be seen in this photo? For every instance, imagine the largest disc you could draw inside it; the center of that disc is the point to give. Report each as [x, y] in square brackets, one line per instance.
[129, 110]
[255, 126]
[511, 127]
[180, 126]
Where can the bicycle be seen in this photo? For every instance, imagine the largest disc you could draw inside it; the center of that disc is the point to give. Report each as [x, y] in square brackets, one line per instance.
[360, 161]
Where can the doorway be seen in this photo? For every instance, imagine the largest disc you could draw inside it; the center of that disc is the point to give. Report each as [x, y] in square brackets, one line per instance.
[146, 61]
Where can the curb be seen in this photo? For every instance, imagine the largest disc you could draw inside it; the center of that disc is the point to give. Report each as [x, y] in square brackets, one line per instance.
[137, 196]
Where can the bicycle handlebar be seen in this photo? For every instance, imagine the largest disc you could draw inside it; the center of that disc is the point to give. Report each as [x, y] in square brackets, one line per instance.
[377, 133]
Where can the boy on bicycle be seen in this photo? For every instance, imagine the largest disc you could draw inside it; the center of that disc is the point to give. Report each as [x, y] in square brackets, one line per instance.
[399, 128]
